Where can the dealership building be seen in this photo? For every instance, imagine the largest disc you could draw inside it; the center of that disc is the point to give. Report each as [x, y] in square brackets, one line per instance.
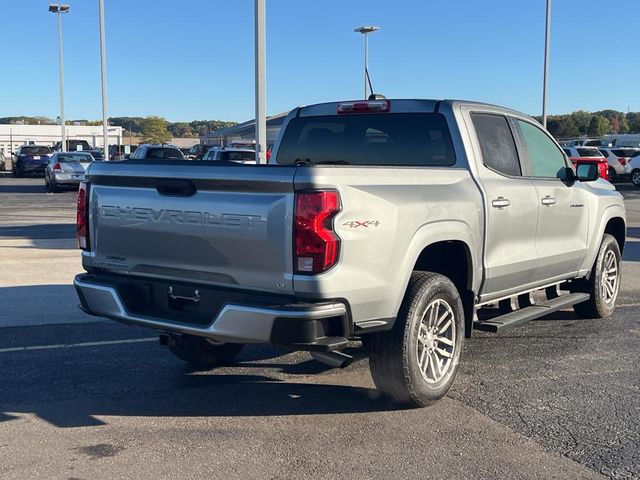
[12, 136]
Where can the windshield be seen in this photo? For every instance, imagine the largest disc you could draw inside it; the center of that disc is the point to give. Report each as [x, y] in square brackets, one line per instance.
[35, 151]
[74, 157]
[623, 152]
[394, 139]
[589, 152]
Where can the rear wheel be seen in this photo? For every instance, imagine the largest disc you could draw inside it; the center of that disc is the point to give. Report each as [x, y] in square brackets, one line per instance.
[635, 177]
[201, 353]
[416, 362]
[603, 283]
[613, 176]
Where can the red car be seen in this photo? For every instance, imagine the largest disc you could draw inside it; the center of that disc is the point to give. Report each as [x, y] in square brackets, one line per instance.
[579, 155]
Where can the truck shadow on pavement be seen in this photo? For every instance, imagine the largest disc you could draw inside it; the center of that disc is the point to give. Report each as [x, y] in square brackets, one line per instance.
[89, 383]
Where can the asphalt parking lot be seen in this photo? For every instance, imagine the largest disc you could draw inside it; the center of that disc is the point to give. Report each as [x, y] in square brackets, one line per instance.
[86, 398]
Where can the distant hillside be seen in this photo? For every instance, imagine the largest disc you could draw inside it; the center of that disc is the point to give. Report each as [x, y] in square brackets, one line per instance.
[194, 128]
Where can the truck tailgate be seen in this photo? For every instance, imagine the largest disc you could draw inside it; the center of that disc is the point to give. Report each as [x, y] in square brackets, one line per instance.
[193, 222]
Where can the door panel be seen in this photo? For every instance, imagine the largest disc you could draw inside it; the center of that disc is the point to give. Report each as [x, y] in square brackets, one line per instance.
[511, 206]
[561, 236]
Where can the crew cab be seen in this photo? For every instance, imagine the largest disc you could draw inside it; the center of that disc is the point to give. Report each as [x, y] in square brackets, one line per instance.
[406, 224]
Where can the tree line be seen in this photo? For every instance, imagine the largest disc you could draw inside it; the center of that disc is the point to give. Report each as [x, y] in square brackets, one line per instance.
[580, 123]
[134, 125]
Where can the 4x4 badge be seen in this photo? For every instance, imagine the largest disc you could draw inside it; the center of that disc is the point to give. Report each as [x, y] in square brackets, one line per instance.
[364, 223]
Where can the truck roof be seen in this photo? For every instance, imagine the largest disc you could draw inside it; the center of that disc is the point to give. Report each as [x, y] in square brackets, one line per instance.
[399, 105]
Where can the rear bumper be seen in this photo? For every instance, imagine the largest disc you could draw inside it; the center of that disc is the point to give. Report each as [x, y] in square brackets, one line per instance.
[68, 178]
[304, 326]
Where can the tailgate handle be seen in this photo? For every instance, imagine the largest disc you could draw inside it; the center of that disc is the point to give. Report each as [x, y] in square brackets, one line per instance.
[175, 187]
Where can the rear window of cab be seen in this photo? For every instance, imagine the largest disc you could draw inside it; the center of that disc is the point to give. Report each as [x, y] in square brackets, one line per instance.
[384, 139]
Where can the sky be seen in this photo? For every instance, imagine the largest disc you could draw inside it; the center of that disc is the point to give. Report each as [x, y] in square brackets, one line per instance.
[194, 59]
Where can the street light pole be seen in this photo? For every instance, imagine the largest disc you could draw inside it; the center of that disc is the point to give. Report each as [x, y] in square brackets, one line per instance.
[260, 54]
[546, 64]
[59, 9]
[366, 31]
[103, 68]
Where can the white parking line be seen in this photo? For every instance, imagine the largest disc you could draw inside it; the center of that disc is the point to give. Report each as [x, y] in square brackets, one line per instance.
[75, 345]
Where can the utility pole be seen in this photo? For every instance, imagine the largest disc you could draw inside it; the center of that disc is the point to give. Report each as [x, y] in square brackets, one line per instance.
[366, 31]
[260, 81]
[103, 71]
[59, 9]
[546, 64]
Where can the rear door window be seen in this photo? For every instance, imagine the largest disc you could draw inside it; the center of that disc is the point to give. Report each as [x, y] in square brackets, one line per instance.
[546, 159]
[497, 144]
[386, 139]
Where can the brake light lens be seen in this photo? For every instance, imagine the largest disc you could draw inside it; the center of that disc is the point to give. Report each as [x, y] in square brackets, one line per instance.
[622, 161]
[368, 106]
[82, 216]
[315, 242]
[57, 167]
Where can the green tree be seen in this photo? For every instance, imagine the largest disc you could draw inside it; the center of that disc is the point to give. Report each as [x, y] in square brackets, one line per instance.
[154, 130]
[598, 126]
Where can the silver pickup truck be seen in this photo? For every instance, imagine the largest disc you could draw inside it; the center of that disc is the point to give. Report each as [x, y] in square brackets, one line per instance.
[402, 223]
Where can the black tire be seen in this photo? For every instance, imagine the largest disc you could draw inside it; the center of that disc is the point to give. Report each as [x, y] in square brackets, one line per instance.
[635, 177]
[599, 305]
[15, 172]
[394, 356]
[613, 176]
[53, 186]
[202, 354]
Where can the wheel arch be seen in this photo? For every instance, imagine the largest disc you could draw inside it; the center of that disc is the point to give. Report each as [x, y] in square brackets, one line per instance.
[451, 249]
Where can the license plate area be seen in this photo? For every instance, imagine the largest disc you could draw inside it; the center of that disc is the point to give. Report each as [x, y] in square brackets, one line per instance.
[183, 298]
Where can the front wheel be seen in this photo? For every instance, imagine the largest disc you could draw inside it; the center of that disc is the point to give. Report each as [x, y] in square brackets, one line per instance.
[603, 283]
[635, 177]
[201, 353]
[416, 362]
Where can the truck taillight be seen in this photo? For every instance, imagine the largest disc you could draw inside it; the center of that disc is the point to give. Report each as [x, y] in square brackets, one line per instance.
[316, 245]
[622, 161]
[82, 216]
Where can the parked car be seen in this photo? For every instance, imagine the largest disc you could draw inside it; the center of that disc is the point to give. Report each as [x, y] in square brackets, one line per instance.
[73, 145]
[579, 155]
[238, 155]
[119, 152]
[198, 151]
[157, 152]
[389, 221]
[66, 169]
[618, 159]
[634, 169]
[30, 160]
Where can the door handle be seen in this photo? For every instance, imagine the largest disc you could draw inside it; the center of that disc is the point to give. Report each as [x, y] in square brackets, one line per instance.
[500, 202]
[548, 200]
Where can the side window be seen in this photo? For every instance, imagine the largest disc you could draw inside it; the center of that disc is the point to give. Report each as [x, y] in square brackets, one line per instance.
[567, 152]
[496, 143]
[545, 157]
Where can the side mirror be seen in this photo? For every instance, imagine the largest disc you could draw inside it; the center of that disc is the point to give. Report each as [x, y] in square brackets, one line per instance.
[127, 157]
[587, 172]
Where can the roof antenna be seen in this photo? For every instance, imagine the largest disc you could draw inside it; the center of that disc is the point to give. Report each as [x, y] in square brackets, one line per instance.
[373, 96]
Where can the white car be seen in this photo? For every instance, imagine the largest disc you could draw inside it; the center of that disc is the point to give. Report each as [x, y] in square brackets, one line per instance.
[634, 170]
[618, 158]
[236, 155]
